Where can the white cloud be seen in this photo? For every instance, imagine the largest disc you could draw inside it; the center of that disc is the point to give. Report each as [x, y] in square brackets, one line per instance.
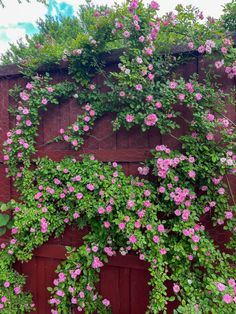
[25, 12]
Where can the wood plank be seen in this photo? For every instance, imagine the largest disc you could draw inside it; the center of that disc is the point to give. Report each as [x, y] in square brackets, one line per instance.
[106, 155]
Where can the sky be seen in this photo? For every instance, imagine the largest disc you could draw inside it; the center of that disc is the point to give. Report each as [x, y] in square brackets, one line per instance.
[17, 20]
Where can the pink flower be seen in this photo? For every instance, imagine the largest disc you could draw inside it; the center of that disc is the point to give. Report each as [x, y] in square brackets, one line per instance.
[198, 96]
[96, 262]
[224, 50]
[28, 122]
[221, 287]
[163, 251]
[151, 76]
[192, 174]
[181, 97]
[148, 51]
[161, 228]
[106, 302]
[24, 96]
[147, 193]
[129, 118]
[139, 87]
[73, 300]
[177, 212]
[219, 64]
[161, 189]
[4, 299]
[173, 85]
[79, 196]
[17, 290]
[154, 5]
[209, 136]
[149, 227]
[141, 39]
[221, 191]
[201, 49]
[25, 111]
[50, 89]
[132, 239]
[190, 45]
[176, 288]
[149, 98]
[6, 284]
[210, 117]
[74, 142]
[228, 215]
[121, 226]
[92, 86]
[130, 204]
[156, 239]
[151, 119]
[44, 101]
[107, 224]
[227, 298]
[29, 86]
[90, 186]
[195, 238]
[126, 34]
[60, 293]
[101, 210]
[190, 87]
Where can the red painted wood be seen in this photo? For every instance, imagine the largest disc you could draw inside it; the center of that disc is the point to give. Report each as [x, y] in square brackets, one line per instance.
[123, 279]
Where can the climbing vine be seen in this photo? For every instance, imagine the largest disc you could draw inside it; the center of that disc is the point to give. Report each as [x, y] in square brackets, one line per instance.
[163, 220]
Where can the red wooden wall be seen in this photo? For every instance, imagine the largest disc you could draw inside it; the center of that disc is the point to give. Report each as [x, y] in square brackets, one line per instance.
[124, 280]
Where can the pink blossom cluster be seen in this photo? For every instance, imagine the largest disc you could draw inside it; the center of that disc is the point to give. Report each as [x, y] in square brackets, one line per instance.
[180, 195]
[97, 263]
[43, 225]
[164, 165]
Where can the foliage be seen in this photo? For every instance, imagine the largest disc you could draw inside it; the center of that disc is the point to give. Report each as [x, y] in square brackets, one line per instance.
[5, 220]
[229, 16]
[163, 221]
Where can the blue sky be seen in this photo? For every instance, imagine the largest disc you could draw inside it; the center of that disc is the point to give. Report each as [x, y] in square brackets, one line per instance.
[17, 20]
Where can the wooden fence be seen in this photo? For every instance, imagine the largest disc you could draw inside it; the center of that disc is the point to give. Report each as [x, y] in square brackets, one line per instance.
[124, 280]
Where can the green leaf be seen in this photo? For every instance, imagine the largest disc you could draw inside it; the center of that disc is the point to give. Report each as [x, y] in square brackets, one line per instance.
[3, 207]
[2, 231]
[4, 219]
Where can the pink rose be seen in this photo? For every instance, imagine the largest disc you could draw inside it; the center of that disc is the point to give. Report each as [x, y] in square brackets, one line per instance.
[154, 5]
[44, 101]
[138, 87]
[129, 118]
[151, 119]
[132, 239]
[126, 34]
[198, 96]
[221, 287]
[176, 288]
[156, 239]
[227, 298]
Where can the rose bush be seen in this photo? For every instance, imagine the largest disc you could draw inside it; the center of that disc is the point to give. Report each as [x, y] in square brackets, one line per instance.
[163, 221]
